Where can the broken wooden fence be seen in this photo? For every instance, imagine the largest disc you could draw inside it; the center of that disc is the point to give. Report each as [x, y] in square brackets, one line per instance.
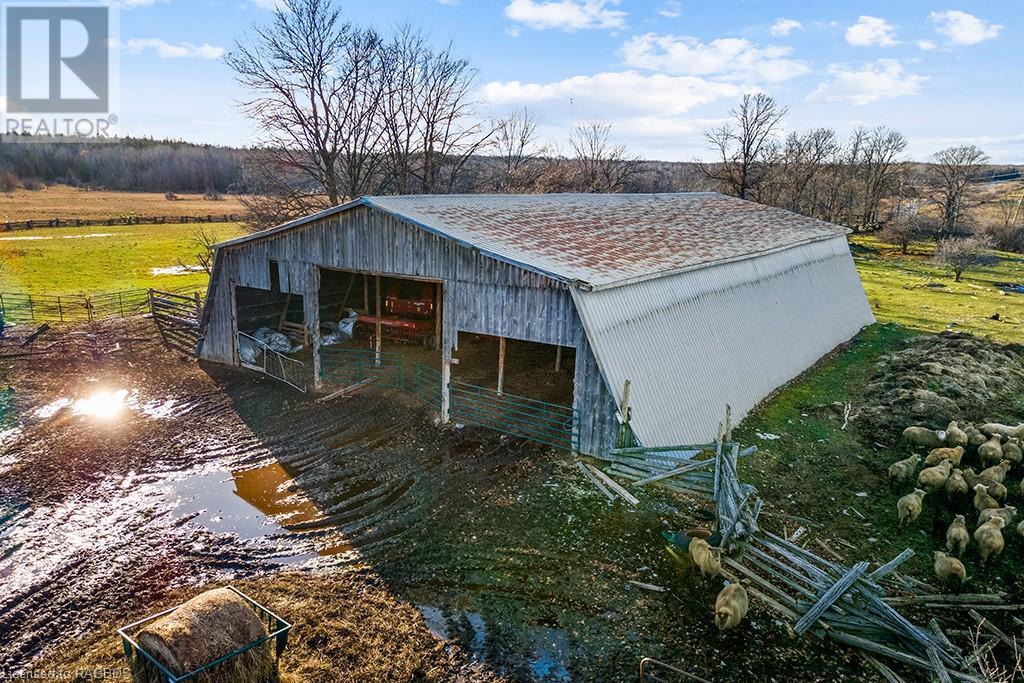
[845, 604]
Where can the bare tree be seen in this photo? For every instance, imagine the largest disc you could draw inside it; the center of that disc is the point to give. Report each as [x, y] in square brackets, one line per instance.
[961, 253]
[599, 164]
[904, 227]
[515, 154]
[743, 147]
[953, 169]
[877, 168]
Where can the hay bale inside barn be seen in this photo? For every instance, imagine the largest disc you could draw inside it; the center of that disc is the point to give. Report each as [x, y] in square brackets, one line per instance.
[697, 299]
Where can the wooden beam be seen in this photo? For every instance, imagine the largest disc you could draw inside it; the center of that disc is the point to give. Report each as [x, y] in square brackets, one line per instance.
[438, 320]
[366, 294]
[558, 358]
[446, 397]
[501, 365]
[344, 302]
[380, 326]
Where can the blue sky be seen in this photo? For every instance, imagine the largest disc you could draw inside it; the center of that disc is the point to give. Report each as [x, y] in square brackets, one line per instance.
[660, 71]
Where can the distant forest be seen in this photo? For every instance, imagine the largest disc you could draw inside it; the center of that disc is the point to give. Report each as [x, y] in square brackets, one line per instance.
[134, 165]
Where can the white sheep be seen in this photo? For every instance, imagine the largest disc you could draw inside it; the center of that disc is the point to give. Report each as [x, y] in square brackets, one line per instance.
[902, 471]
[934, 478]
[909, 506]
[731, 606]
[937, 455]
[982, 500]
[991, 450]
[956, 485]
[1012, 451]
[948, 568]
[705, 557]
[996, 472]
[924, 437]
[957, 538]
[955, 436]
[1002, 430]
[989, 537]
[1008, 513]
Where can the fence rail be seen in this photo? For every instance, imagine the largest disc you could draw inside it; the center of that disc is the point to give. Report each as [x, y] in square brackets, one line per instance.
[77, 308]
[546, 423]
[268, 361]
[117, 220]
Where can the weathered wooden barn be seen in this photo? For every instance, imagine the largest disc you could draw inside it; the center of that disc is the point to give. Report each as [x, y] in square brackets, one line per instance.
[697, 299]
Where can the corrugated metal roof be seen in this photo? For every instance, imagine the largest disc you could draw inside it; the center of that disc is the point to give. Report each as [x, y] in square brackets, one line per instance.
[692, 342]
[601, 239]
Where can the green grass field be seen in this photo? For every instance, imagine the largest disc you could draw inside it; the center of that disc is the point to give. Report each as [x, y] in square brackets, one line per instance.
[898, 290]
[100, 259]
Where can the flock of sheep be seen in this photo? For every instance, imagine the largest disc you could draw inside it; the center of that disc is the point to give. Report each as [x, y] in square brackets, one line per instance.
[732, 602]
[995, 448]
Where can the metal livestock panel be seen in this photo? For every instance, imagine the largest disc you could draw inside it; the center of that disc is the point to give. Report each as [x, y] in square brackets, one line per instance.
[730, 334]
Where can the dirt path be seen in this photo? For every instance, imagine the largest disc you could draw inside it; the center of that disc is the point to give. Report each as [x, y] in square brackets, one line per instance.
[207, 474]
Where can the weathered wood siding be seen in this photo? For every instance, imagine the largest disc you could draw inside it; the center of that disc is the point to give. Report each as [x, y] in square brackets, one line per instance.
[481, 295]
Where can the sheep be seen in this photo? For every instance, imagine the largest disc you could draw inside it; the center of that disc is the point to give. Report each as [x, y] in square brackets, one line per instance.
[937, 455]
[995, 489]
[956, 485]
[705, 557]
[996, 472]
[924, 437]
[955, 436]
[731, 606]
[948, 568]
[957, 538]
[974, 436]
[909, 506]
[991, 450]
[1005, 431]
[1012, 451]
[982, 500]
[989, 537]
[1007, 512]
[934, 478]
[902, 471]
[1020, 528]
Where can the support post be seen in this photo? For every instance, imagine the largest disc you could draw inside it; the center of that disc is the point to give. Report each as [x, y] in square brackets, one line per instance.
[311, 315]
[501, 365]
[446, 378]
[366, 294]
[380, 326]
[558, 358]
[438, 294]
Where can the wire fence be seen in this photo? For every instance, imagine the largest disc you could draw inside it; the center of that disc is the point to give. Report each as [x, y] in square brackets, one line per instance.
[77, 308]
[128, 219]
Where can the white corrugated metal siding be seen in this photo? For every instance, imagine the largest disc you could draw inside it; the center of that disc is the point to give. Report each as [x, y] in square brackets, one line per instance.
[693, 342]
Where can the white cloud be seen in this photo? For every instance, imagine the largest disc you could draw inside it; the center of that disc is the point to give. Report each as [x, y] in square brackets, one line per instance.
[871, 31]
[567, 15]
[671, 9]
[784, 26]
[870, 82]
[927, 45]
[612, 94]
[730, 58]
[962, 28]
[170, 51]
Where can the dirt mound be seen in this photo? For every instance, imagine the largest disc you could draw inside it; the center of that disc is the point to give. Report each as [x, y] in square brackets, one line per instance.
[938, 378]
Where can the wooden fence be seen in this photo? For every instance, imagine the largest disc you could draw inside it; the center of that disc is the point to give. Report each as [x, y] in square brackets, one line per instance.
[118, 220]
[177, 318]
[76, 308]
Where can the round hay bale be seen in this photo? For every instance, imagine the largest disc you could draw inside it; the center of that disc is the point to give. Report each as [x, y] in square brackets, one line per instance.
[205, 628]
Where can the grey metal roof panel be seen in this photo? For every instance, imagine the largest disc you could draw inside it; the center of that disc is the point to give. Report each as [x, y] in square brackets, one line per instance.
[600, 239]
[692, 342]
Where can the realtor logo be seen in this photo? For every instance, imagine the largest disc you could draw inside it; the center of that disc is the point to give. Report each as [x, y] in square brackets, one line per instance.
[58, 59]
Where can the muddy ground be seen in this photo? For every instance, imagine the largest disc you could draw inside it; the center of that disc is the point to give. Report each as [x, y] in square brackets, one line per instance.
[206, 475]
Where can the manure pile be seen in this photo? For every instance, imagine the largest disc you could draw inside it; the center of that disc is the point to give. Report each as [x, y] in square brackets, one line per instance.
[939, 378]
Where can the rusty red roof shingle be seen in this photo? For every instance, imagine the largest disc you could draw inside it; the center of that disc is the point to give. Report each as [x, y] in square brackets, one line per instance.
[607, 239]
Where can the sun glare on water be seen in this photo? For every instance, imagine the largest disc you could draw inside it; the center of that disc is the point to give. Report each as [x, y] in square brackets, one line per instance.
[104, 405]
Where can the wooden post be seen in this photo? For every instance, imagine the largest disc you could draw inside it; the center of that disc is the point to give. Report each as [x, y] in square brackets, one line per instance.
[344, 301]
[558, 358]
[446, 378]
[501, 364]
[376, 355]
[311, 314]
[366, 294]
[624, 408]
[437, 315]
[728, 422]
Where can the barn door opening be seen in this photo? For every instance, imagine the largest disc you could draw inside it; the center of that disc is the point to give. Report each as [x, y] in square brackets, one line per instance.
[272, 337]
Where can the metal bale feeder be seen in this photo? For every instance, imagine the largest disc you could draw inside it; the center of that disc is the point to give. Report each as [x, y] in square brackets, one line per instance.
[144, 662]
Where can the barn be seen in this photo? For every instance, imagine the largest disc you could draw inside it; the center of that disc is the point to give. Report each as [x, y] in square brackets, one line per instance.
[581, 321]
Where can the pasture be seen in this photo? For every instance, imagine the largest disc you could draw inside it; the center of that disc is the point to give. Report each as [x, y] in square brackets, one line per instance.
[61, 201]
[98, 259]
